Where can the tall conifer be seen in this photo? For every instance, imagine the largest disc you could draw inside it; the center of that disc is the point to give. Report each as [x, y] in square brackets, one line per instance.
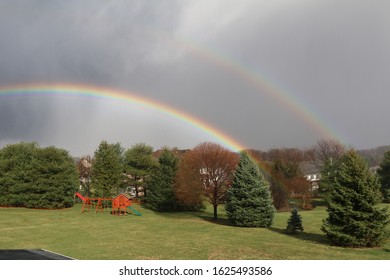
[249, 201]
[107, 177]
[352, 194]
[161, 195]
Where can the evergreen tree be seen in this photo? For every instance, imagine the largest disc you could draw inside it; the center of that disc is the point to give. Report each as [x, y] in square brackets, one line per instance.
[295, 222]
[55, 179]
[36, 177]
[139, 163]
[328, 176]
[249, 202]
[161, 196]
[16, 173]
[107, 177]
[384, 176]
[354, 220]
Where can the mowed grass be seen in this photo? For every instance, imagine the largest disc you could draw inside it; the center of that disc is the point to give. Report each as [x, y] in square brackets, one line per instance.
[188, 236]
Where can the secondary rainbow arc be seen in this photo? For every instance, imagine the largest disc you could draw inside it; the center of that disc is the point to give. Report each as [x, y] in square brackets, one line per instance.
[261, 83]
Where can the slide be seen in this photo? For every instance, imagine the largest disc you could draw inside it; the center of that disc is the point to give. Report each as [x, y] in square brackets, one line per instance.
[80, 196]
[135, 211]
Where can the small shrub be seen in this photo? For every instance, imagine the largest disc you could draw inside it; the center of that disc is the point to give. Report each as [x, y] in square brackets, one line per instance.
[294, 224]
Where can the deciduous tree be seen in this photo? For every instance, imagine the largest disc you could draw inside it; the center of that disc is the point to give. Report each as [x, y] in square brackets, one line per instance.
[84, 168]
[326, 150]
[188, 186]
[279, 191]
[208, 170]
[287, 171]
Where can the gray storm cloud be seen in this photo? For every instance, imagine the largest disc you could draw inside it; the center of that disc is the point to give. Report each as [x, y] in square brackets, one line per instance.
[332, 57]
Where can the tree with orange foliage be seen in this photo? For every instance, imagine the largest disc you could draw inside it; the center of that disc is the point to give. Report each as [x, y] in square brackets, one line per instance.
[206, 171]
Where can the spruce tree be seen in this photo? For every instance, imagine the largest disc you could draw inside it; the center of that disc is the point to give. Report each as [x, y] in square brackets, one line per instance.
[384, 177]
[295, 222]
[249, 202]
[107, 178]
[161, 195]
[354, 220]
[138, 164]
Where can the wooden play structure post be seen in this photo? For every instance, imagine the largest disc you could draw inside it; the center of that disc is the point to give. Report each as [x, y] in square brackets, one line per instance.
[89, 202]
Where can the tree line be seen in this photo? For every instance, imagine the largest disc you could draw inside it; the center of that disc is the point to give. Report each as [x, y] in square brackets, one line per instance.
[251, 188]
[166, 180]
[250, 184]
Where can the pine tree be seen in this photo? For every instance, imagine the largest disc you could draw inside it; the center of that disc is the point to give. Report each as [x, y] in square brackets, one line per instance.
[161, 195]
[354, 220]
[249, 202]
[384, 176]
[295, 222]
[138, 165]
[107, 176]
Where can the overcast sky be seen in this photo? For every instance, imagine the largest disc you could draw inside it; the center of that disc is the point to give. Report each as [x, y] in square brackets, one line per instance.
[211, 59]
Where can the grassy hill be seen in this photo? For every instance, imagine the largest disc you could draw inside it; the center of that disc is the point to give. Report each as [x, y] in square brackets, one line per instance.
[186, 236]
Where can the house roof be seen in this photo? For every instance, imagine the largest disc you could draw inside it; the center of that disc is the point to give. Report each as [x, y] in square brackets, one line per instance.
[308, 168]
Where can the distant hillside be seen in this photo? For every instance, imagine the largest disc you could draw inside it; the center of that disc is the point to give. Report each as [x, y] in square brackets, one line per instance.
[374, 156]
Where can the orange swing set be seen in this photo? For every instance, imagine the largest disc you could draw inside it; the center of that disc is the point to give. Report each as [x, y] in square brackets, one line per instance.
[92, 202]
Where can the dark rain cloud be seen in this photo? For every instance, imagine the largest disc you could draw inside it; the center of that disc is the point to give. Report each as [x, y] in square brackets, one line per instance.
[211, 59]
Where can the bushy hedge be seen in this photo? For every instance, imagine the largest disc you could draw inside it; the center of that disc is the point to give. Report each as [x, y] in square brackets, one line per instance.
[36, 177]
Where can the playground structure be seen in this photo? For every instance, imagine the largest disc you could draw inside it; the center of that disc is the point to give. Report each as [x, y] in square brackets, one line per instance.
[119, 204]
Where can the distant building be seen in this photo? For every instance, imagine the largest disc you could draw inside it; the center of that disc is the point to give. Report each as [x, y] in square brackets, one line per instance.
[312, 174]
[314, 179]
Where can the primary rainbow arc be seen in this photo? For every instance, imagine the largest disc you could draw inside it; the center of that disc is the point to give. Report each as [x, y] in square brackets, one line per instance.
[125, 96]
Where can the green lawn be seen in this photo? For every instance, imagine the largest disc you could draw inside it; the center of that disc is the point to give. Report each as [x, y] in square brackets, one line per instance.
[186, 236]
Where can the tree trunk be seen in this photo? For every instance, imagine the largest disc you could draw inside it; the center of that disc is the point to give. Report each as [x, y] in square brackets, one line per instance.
[215, 212]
